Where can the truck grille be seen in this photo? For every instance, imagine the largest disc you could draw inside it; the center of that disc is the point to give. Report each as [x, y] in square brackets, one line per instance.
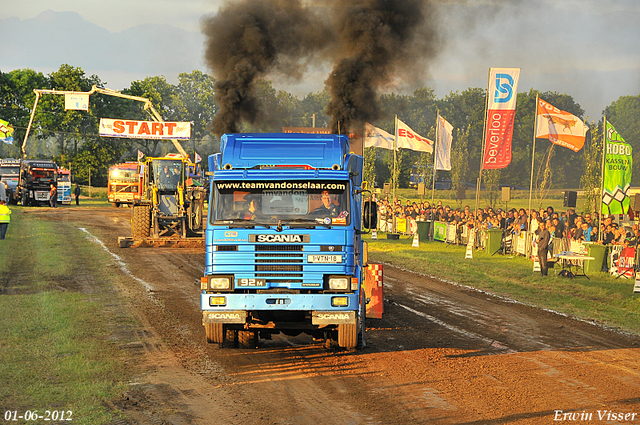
[279, 247]
[272, 260]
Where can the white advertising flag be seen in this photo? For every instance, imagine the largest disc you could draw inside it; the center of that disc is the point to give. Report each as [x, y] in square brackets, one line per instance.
[443, 147]
[377, 138]
[409, 139]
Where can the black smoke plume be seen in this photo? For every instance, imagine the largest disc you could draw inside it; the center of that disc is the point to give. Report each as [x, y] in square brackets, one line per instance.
[382, 41]
[248, 39]
[373, 44]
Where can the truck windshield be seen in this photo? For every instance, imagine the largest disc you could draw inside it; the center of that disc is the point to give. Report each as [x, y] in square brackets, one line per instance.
[123, 175]
[323, 203]
[40, 175]
[9, 170]
[167, 173]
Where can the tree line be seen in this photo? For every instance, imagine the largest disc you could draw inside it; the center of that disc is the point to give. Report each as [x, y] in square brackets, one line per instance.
[71, 137]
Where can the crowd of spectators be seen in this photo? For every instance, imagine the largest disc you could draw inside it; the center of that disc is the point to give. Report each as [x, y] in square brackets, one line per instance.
[566, 224]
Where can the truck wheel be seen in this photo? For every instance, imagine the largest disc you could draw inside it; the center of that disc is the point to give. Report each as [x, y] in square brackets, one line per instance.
[348, 336]
[247, 339]
[141, 221]
[115, 204]
[215, 333]
[231, 339]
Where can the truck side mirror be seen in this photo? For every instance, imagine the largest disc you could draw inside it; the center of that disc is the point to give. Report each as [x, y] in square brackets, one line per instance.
[370, 215]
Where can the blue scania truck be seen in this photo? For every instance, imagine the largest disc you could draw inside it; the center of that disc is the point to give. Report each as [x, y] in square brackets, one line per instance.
[284, 249]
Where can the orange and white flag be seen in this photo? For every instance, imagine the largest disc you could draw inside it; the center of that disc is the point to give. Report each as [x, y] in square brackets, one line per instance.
[560, 127]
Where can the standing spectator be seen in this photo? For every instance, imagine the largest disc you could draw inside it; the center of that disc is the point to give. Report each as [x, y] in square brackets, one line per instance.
[559, 225]
[53, 196]
[635, 235]
[571, 216]
[543, 244]
[523, 221]
[608, 234]
[5, 218]
[3, 191]
[510, 218]
[535, 221]
[76, 192]
[587, 232]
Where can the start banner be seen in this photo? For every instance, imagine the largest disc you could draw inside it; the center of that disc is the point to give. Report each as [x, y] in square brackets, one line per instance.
[144, 129]
[501, 111]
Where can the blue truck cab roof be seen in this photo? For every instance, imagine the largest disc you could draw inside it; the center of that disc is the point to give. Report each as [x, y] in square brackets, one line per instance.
[251, 150]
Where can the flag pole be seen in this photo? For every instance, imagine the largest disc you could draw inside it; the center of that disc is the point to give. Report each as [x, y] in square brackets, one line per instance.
[533, 155]
[599, 206]
[395, 149]
[435, 150]
[484, 141]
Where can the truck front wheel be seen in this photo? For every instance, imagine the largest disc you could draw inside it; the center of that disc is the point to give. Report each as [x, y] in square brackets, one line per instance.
[215, 333]
[247, 339]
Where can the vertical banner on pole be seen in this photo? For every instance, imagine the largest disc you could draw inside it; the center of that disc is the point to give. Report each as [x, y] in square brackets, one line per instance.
[501, 111]
[618, 160]
[416, 241]
[636, 287]
[472, 239]
[374, 235]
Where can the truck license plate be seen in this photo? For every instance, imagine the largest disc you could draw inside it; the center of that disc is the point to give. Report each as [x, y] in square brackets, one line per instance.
[325, 259]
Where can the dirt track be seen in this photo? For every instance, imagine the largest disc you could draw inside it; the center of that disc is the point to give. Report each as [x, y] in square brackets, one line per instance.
[442, 354]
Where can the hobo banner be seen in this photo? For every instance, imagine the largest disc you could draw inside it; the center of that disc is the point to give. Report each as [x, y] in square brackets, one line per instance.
[145, 129]
[501, 112]
[617, 173]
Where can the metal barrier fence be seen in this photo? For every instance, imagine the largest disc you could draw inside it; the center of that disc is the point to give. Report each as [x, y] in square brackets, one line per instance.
[617, 260]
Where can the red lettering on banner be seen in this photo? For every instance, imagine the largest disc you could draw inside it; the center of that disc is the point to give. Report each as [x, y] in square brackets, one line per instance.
[118, 127]
[144, 128]
[170, 126]
[402, 132]
[156, 129]
[131, 125]
[498, 139]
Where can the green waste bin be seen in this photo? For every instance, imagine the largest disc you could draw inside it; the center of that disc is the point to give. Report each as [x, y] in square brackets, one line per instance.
[596, 251]
[423, 230]
[494, 238]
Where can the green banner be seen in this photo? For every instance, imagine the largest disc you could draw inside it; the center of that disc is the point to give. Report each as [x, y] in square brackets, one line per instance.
[6, 132]
[439, 231]
[617, 173]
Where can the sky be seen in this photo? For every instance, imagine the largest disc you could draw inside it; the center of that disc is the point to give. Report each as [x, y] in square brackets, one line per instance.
[589, 49]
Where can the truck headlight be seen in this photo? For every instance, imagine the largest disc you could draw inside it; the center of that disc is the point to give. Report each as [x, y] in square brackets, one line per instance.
[219, 283]
[339, 283]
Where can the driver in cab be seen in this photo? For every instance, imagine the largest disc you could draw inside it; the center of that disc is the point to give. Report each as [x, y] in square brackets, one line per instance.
[170, 177]
[327, 209]
[251, 209]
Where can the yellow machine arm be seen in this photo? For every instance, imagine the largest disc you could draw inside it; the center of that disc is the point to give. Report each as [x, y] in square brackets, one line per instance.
[148, 106]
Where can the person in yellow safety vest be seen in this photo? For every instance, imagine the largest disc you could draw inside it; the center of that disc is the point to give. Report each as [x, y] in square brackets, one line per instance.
[5, 217]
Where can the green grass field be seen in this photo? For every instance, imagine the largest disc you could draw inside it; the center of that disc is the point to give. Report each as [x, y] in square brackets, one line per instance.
[55, 323]
[601, 298]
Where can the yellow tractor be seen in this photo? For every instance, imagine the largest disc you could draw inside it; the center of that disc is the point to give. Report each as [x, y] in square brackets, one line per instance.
[169, 207]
